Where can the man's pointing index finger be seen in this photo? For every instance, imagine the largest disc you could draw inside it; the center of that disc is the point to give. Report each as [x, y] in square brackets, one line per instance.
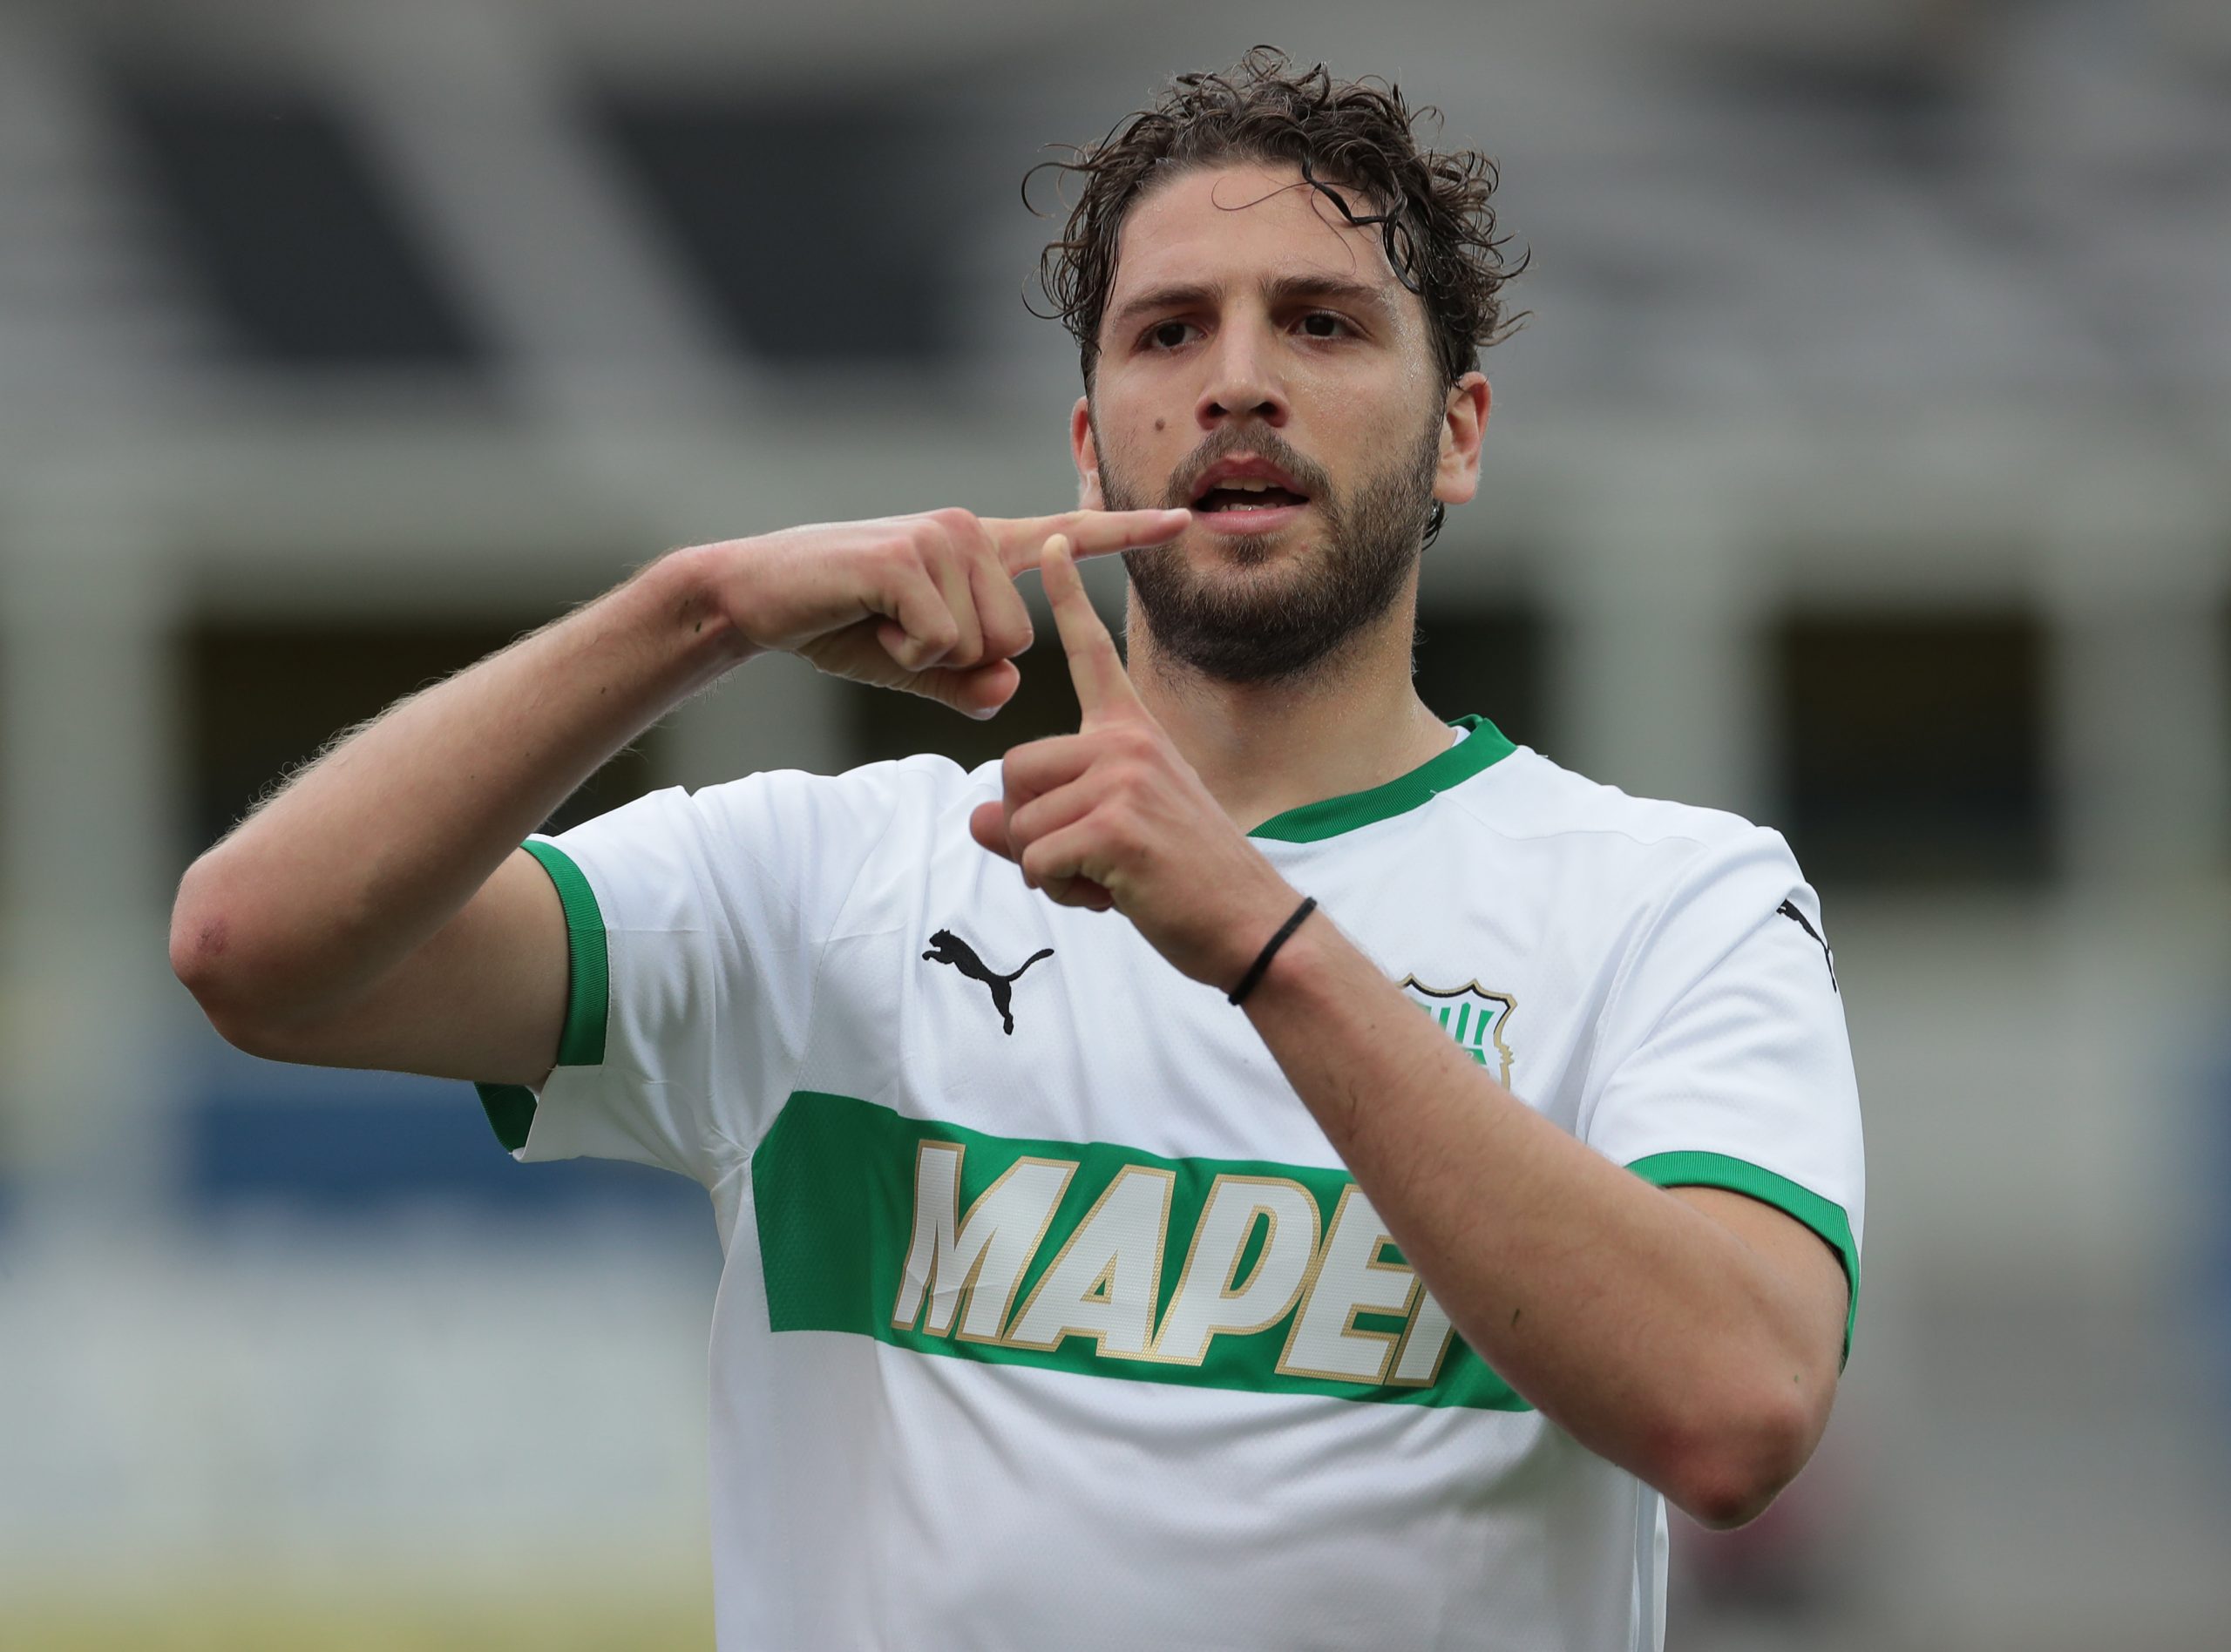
[1095, 668]
[1090, 533]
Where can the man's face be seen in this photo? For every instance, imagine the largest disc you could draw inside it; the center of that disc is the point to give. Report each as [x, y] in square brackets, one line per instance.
[1260, 364]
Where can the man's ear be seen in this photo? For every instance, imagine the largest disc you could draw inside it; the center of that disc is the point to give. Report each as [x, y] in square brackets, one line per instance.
[1463, 424]
[1086, 452]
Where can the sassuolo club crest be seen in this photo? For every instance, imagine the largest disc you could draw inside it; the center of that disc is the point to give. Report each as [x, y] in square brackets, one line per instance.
[1476, 1018]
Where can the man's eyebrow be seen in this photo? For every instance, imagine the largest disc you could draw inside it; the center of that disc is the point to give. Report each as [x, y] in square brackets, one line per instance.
[1176, 295]
[1335, 289]
[1281, 290]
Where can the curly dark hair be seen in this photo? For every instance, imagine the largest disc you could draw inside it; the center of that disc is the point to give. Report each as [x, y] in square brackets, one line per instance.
[1433, 209]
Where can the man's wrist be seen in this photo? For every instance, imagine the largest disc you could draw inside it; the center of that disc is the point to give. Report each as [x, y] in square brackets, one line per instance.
[688, 587]
[1259, 965]
[1268, 935]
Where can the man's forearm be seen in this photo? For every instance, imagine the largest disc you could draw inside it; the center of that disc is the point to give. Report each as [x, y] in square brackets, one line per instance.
[369, 914]
[1644, 1328]
[368, 851]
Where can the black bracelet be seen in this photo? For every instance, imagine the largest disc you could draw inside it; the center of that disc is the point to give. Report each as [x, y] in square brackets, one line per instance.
[1263, 958]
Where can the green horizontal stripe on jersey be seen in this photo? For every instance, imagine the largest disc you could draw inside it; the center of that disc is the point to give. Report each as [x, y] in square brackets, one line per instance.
[589, 987]
[1824, 1216]
[834, 1186]
[1485, 746]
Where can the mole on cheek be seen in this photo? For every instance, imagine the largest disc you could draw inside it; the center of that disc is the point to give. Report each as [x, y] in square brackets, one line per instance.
[1158, 424]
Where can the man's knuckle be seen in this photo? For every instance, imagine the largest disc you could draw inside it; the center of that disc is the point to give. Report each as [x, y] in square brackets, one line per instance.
[958, 526]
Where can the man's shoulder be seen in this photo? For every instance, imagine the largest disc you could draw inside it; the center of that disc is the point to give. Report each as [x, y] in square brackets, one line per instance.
[1537, 799]
[1610, 859]
[790, 819]
[925, 780]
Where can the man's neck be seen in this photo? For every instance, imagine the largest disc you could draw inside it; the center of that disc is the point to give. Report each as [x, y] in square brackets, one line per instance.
[1262, 748]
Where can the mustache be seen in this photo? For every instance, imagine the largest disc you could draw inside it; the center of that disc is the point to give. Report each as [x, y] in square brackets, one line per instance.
[1268, 444]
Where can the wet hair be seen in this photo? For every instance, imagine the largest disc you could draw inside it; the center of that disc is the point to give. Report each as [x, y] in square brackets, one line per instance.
[1432, 208]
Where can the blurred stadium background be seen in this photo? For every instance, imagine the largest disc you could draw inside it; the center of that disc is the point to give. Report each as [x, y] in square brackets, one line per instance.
[1862, 468]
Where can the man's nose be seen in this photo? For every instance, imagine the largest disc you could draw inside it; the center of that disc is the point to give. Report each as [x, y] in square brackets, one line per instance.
[1241, 383]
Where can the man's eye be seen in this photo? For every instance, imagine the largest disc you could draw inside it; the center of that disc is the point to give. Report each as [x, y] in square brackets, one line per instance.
[1168, 334]
[1323, 324]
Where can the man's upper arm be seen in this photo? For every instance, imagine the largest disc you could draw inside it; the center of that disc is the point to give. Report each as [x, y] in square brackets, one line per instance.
[1808, 1269]
[1727, 1072]
[484, 997]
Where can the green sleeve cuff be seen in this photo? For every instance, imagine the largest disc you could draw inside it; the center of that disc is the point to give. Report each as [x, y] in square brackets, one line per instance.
[589, 996]
[1824, 1216]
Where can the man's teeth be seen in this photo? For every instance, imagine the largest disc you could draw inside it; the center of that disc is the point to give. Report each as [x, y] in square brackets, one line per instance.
[1241, 484]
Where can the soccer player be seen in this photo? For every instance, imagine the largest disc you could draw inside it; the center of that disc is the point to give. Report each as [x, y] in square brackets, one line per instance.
[1273, 1168]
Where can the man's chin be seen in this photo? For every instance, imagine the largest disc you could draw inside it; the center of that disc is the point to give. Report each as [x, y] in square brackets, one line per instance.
[1209, 545]
[1242, 577]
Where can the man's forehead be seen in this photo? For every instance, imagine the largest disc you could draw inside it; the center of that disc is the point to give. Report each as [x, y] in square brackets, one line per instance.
[1240, 220]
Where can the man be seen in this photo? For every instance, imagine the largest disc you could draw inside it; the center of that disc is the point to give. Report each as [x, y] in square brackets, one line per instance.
[1117, 1255]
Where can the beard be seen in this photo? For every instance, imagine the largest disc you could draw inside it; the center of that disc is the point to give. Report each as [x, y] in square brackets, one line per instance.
[1256, 626]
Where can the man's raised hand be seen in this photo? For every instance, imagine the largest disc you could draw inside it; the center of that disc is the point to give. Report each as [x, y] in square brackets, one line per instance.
[923, 603]
[1114, 816]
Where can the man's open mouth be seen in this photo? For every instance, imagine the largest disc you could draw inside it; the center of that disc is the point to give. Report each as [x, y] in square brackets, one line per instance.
[1246, 496]
[1242, 484]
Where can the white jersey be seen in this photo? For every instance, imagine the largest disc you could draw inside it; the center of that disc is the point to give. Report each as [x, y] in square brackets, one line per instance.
[1049, 1316]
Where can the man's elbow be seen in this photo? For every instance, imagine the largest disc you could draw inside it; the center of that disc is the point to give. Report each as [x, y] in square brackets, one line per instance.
[202, 937]
[210, 962]
[1727, 1475]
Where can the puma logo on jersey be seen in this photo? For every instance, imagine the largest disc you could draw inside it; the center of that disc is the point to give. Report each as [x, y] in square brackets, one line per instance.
[1788, 910]
[946, 947]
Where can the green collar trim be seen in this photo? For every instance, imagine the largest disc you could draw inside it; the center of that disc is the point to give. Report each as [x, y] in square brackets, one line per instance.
[1485, 746]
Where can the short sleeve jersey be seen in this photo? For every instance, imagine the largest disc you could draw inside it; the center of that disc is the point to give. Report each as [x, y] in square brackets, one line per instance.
[1049, 1316]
